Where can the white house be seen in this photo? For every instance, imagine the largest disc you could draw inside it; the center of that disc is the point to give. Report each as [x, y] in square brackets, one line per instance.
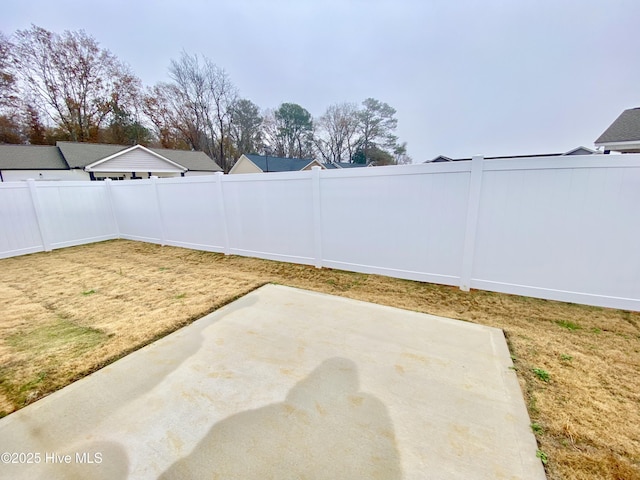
[91, 161]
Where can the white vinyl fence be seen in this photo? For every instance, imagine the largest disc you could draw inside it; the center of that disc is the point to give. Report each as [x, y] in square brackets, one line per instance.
[561, 228]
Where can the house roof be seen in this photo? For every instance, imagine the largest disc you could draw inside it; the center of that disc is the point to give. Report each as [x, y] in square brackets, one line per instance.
[191, 160]
[441, 158]
[66, 155]
[79, 155]
[625, 128]
[574, 151]
[334, 165]
[278, 164]
[31, 157]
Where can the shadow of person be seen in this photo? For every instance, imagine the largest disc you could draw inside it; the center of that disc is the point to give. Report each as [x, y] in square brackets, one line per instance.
[325, 429]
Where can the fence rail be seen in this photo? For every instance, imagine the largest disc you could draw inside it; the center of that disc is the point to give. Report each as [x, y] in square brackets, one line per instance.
[564, 228]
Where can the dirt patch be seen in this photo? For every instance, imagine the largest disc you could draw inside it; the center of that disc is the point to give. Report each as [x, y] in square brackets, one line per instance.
[70, 312]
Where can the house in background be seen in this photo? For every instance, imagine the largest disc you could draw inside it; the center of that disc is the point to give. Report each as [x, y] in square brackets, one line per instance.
[91, 161]
[250, 163]
[576, 151]
[623, 135]
[336, 165]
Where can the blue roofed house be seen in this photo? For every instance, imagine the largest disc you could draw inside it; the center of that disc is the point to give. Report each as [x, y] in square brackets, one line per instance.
[90, 161]
[251, 163]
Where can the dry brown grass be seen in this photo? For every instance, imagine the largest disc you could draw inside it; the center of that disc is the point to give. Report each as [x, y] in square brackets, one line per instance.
[69, 312]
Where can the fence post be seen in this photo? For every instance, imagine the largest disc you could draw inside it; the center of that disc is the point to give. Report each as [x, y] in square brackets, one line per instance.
[114, 219]
[223, 212]
[154, 182]
[473, 205]
[317, 216]
[37, 207]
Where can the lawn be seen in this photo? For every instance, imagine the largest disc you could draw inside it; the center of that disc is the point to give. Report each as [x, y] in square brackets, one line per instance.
[69, 312]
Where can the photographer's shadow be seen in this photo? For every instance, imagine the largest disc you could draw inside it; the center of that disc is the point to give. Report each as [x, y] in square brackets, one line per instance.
[325, 428]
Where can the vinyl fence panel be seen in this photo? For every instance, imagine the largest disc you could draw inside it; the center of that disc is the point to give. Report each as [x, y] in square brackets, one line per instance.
[19, 230]
[406, 223]
[565, 231]
[74, 213]
[563, 228]
[135, 204]
[271, 215]
[191, 213]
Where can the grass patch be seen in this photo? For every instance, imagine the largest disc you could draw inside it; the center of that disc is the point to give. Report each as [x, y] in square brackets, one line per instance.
[536, 428]
[569, 325]
[542, 374]
[60, 334]
[542, 456]
[88, 292]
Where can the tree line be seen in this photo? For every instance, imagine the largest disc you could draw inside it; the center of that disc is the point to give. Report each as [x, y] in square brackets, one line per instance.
[66, 87]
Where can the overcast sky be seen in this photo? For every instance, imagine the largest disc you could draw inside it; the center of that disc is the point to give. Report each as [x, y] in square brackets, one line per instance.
[491, 77]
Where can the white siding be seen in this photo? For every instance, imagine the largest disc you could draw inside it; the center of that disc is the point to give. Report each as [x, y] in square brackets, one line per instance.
[197, 173]
[136, 160]
[18, 175]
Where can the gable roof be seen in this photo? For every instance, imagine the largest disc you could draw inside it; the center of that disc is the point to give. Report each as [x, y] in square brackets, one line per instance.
[278, 164]
[580, 151]
[441, 158]
[31, 157]
[625, 128]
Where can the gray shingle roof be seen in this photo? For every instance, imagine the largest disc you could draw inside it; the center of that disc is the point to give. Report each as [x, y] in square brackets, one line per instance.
[626, 128]
[192, 160]
[31, 157]
[278, 164]
[79, 155]
[350, 165]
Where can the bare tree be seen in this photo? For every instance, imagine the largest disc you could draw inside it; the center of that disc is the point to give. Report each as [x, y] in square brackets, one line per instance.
[176, 124]
[224, 95]
[273, 142]
[337, 132]
[8, 87]
[196, 106]
[189, 99]
[70, 79]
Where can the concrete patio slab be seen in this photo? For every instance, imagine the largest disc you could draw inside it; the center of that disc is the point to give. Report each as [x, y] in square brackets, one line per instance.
[289, 384]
